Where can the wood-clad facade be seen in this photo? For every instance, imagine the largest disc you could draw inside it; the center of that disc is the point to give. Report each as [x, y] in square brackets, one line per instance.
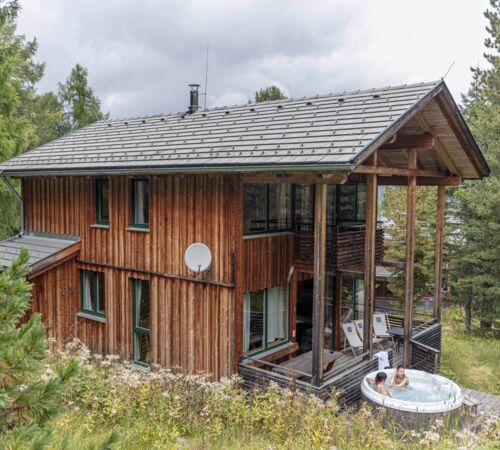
[191, 316]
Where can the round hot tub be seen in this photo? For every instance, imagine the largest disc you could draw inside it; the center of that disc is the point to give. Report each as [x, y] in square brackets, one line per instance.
[426, 398]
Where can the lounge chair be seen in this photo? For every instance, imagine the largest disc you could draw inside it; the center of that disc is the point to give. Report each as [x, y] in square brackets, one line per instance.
[351, 335]
[359, 324]
[380, 326]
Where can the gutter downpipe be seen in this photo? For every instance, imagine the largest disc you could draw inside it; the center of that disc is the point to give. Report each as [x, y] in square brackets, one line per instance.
[19, 199]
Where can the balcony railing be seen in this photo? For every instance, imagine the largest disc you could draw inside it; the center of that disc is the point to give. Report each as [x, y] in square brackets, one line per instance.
[344, 250]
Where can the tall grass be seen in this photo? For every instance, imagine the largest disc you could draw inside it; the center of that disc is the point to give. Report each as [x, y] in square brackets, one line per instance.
[472, 360]
[160, 409]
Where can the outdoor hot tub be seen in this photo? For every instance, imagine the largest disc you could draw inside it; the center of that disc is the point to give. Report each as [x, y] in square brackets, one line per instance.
[426, 398]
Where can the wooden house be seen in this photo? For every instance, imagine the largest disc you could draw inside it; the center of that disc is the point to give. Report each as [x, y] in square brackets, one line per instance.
[285, 196]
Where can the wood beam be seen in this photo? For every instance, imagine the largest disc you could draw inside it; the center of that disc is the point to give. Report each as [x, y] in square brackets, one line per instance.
[459, 135]
[296, 178]
[422, 141]
[370, 267]
[440, 149]
[411, 199]
[421, 181]
[404, 171]
[438, 274]
[319, 281]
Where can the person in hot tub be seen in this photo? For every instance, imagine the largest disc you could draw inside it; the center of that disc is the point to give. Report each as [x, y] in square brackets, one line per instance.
[379, 383]
[399, 379]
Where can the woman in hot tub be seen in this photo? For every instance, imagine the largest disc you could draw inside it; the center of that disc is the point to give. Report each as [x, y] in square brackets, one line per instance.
[379, 383]
[399, 379]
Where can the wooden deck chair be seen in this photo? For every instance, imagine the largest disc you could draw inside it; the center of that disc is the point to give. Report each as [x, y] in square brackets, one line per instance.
[351, 335]
[380, 326]
[359, 324]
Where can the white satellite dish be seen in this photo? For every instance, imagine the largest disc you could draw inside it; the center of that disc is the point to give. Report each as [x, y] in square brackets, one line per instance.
[198, 257]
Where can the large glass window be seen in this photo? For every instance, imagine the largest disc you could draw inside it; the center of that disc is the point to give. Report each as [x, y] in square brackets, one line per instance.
[140, 203]
[267, 207]
[352, 299]
[140, 319]
[329, 340]
[102, 201]
[347, 203]
[265, 318]
[253, 321]
[92, 293]
[304, 207]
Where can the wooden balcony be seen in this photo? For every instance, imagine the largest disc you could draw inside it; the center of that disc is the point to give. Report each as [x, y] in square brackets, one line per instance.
[345, 250]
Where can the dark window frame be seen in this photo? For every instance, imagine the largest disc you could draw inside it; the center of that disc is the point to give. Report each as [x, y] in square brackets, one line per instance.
[96, 279]
[137, 329]
[268, 230]
[133, 223]
[100, 183]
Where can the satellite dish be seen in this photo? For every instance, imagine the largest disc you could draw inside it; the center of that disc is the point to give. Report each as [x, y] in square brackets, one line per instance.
[198, 257]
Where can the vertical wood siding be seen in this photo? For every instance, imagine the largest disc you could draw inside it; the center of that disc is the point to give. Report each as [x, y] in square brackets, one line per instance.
[192, 324]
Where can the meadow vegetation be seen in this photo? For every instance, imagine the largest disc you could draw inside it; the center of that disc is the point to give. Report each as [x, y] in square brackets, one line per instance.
[470, 359]
[161, 409]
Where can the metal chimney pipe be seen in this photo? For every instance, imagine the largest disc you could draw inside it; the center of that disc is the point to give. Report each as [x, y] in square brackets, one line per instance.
[193, 98]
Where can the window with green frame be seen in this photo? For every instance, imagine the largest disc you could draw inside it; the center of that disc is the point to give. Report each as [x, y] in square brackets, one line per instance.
[139, 190]
[267, 208]
[102, 201]
[141, 322]
[265, 318]
[92, 293]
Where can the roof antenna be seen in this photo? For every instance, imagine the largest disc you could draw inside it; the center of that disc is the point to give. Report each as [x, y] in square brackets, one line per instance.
[206, 83]
[448, 71]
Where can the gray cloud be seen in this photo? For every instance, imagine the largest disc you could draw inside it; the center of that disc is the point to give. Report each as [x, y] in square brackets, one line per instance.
[142, 55]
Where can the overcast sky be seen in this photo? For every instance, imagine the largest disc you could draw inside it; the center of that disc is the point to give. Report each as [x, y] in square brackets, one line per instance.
[142, 54]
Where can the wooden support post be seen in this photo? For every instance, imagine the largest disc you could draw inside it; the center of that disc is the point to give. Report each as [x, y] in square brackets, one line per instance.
[319, 283]
[370, 268]
[338, 310]
[411, 200]
[438, 273]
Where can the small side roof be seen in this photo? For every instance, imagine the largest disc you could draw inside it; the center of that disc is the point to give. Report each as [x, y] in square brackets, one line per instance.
[43, 251]
[321, 133]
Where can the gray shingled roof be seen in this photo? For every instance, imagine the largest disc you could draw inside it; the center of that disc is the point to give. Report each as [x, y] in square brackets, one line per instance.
[316, 132]
[41, 249]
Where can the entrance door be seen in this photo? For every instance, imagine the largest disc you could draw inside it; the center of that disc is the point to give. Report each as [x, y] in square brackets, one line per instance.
[304, 321]
[141, 322]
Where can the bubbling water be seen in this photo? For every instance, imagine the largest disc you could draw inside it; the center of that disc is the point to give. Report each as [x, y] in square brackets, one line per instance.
[422, 389]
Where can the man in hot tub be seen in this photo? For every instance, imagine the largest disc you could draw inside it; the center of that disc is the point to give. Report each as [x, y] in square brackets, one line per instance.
[399, 379]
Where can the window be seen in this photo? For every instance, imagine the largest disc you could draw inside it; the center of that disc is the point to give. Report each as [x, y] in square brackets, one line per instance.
[267, 208]
[102, 202]
[265, 318]
[92, 293]
[140, 203]
[352, 303]
[140, 318]
[304, 207]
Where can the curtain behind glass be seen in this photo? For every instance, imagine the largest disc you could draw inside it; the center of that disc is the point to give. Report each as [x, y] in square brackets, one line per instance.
[277, 314]
[141, 202]
[247, 309]
[88, 294]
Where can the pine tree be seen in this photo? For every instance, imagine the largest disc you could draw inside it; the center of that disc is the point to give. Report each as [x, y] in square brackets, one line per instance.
[477, 203]
[393, 210]
[27, 400]
[82, 107]
[269, 94]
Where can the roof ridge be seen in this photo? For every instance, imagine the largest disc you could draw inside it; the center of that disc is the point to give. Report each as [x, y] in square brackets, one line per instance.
[274, 102]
